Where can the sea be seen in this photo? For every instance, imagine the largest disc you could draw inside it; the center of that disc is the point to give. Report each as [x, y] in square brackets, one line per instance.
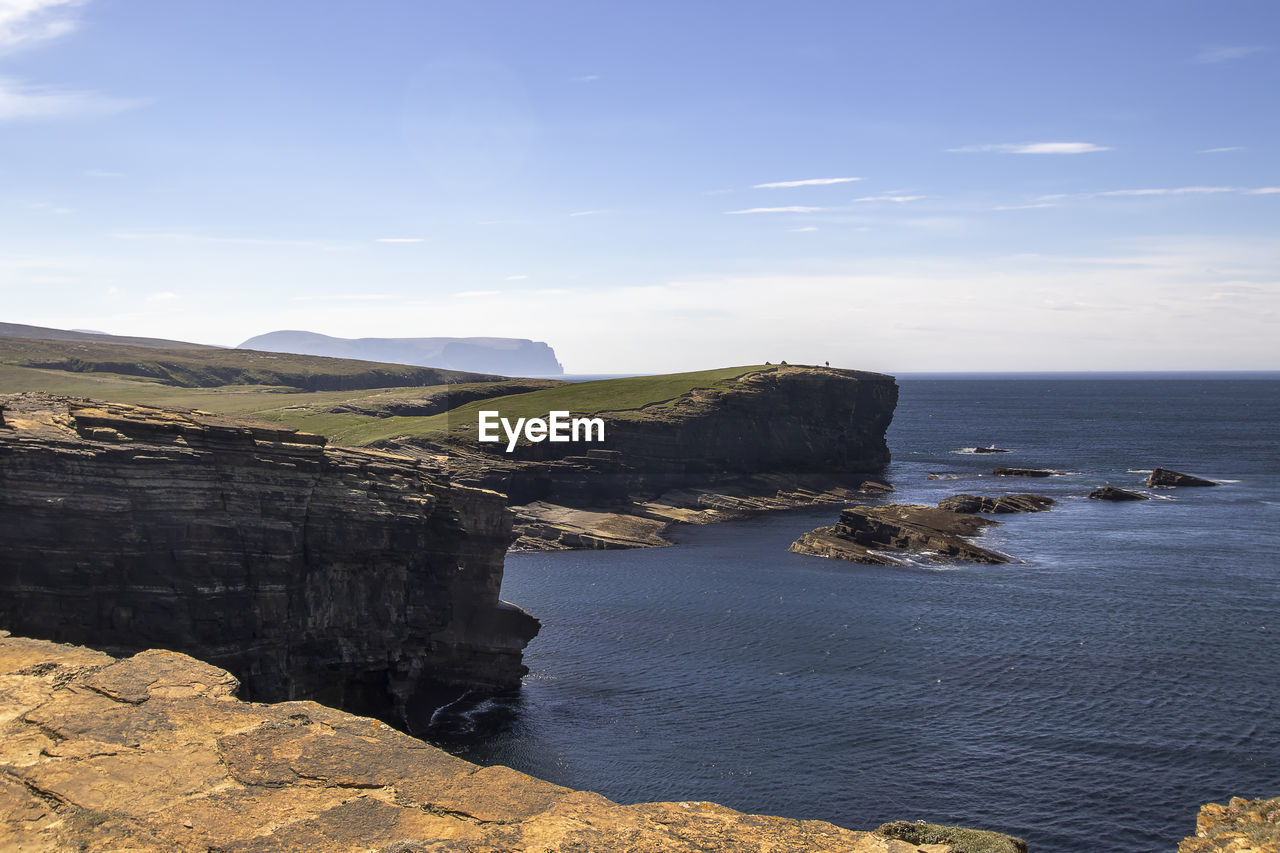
[1089, 696]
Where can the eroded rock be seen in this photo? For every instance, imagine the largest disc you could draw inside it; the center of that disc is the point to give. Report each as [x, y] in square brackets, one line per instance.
[207, 772]
[1111, 493]
[1163, 477]
[996, 505]
[879, 534]
[360, 578]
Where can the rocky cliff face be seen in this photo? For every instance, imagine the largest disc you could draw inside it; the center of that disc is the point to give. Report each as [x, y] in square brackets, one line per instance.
[793, 421]
[154, 753]
[357, 578]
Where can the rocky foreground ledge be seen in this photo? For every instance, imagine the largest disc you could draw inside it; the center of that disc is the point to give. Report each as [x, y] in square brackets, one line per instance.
[155, 753]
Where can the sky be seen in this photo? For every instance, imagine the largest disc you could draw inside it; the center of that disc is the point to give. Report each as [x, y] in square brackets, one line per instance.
[651, 186]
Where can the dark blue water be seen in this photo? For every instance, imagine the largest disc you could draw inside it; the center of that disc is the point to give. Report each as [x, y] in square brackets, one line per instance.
[1088, 698]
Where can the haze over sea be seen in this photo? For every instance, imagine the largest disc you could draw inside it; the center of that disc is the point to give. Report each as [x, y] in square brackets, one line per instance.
[1087, 698]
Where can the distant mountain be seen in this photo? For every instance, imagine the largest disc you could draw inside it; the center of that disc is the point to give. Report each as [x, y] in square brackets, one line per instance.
[40, 333]
[506, 356]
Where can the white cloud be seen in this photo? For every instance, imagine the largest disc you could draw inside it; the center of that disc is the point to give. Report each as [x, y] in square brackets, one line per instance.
[25, 22]
[899, 199]
[516, 277]
[1225, 53]
[398, 240]
[793, 209]
[1025, 206]
[1032, 148]
[21, 101]
[1171, 191]
[163, 296]
[805, 228]
[809, 182]
[1263, 191]
[472, 294]
[1223, 150]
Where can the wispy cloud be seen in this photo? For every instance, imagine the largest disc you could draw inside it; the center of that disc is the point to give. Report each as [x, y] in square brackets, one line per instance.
[1225, 53]
[897, 199]
[1171, 191]
[1031, 148]
[26, 22]
[1223, 150]
[587, 213]
[808, 182]
[1157, 191]
[585, 78]
[21, 101]
[805, 228]
[102, 173]
[792, 209]
[1034, 206]
[474, 294]
[397, 240]
[192, 237]
[344, 297]
[516, 277]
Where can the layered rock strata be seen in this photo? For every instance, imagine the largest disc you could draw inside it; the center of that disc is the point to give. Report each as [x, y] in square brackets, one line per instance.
[1165, 477]
[1241, 826]
[998, 505]
[877, 534]
[154, 754]
[362, 579]
[777, 439]
[1111, 493]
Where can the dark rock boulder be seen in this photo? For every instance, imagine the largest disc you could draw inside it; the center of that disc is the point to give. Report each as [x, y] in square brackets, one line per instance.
[864, 533]
[1110, 493]
[991, 449]
[1162, 477]
[1002, 504]
[1026, 472]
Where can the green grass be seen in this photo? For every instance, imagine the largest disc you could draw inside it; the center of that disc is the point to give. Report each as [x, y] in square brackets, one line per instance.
[310, 411]
[213, 368]
[624, 398]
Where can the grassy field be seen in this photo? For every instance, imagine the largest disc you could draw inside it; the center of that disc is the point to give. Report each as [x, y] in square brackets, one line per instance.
[620, 398]
[313, 411]
[213, 368]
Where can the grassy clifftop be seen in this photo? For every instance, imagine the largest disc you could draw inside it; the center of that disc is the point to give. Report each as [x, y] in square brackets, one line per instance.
[211, 368]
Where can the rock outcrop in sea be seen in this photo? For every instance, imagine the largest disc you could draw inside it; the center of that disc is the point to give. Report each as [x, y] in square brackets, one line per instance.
[878, 534]
[362, 579]
[1165, 477]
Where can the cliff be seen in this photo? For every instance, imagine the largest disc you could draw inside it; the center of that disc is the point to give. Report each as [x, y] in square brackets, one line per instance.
[358, 578]
[507, 356]
[1241, 826]
[755, 439]
[154, 753]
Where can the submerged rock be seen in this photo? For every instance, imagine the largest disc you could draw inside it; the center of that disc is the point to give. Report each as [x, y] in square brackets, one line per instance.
[1165, 477]
[1111, 493]
[864, 533]
[1026, 472]
[991, 449]
[1001, 504]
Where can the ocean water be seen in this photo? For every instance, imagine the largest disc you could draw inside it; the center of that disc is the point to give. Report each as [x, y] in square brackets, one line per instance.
[1088, 697]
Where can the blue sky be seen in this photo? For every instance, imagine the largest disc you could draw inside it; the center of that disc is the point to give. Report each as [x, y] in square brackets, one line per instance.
[655, 186]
